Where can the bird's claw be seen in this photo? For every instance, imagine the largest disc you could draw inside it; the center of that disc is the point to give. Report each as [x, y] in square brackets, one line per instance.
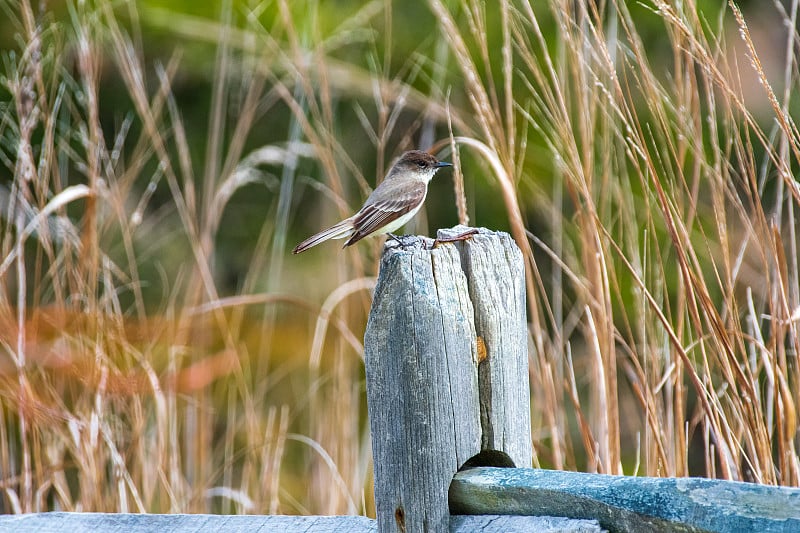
[401, 240]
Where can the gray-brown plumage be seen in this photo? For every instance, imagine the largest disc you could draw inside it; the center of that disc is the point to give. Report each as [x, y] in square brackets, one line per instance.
[393, 203]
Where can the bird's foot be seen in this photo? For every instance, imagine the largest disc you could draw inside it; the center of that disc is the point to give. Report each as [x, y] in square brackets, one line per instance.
[401, 240]
[395, 238]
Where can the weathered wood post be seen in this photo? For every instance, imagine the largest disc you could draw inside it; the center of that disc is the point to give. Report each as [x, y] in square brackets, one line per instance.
[446, 368]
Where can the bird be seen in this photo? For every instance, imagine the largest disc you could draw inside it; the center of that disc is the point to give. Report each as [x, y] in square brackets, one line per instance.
[393, 203]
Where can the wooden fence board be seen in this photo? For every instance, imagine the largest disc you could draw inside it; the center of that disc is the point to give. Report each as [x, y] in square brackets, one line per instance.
[194, 523]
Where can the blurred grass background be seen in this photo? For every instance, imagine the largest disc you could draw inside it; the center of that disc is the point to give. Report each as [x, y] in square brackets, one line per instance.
[162, 351]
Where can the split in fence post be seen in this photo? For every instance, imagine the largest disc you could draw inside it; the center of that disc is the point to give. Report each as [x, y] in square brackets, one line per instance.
[446, 368]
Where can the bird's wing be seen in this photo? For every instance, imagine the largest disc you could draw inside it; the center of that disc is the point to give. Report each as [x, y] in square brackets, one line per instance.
[375, 215]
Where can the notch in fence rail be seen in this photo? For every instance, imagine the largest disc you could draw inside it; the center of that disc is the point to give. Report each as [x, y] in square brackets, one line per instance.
[447, 371]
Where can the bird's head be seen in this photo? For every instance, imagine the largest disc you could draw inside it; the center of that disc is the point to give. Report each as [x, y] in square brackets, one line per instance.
[421, 164]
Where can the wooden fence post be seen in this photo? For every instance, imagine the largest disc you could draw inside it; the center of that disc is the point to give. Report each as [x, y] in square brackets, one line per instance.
[446, 368]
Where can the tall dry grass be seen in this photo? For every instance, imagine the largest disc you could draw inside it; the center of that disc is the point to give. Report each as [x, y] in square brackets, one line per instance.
[653, 198]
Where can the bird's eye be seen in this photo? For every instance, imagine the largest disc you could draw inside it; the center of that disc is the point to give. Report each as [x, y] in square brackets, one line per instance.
[421, 164]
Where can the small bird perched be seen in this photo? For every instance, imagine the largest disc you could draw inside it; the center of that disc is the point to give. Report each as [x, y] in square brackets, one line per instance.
[393, 203]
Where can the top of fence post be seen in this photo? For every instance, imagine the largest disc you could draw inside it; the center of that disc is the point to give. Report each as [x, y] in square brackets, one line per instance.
[447, 371]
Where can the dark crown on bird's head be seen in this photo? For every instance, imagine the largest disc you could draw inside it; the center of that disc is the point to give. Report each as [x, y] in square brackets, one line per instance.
[419, 160]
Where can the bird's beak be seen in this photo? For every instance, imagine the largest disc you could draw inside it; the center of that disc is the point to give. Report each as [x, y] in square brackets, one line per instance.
[441, 164]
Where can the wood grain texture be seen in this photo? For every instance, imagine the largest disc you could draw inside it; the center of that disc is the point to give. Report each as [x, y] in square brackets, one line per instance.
[494, 268]
[624, 503]
[422, 393]
[432, 405]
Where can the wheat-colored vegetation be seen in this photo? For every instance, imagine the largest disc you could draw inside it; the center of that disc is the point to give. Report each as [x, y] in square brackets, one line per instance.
[161, 351]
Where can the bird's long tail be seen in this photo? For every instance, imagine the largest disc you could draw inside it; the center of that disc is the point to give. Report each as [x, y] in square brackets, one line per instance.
[342, 230]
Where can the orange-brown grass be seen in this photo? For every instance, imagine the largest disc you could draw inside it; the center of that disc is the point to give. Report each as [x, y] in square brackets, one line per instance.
[652, 196]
